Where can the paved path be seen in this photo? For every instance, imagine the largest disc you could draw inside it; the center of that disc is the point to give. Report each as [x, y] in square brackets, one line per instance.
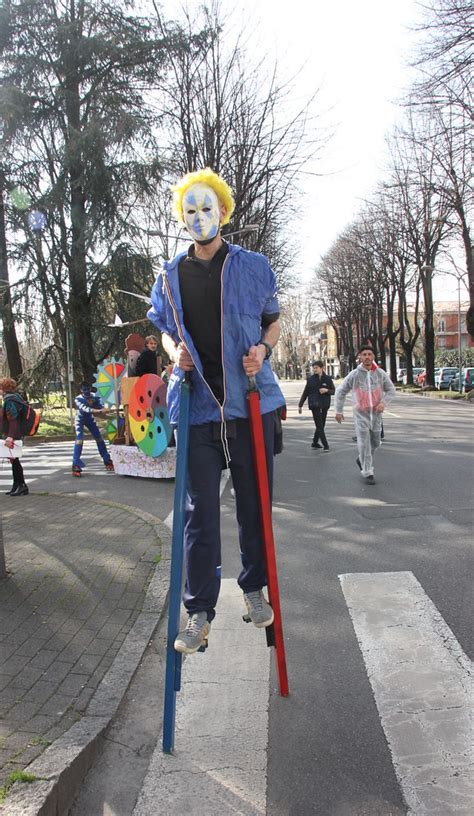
[221, 725]
[333, 746]
[76, 583]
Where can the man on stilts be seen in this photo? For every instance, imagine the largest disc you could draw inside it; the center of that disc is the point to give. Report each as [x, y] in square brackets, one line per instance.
[218, 312]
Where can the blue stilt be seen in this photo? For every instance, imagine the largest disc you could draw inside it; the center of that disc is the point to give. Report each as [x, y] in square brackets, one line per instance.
[173, 658]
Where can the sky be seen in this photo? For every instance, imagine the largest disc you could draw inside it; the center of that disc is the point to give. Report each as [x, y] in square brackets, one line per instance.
[357, 54]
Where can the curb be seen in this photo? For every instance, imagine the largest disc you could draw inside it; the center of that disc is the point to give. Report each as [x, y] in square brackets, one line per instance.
[465, 398]
[38, 439]
[435, 395]
[63, 765]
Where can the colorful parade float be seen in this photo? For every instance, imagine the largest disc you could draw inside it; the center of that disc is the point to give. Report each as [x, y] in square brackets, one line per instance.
[140, 432]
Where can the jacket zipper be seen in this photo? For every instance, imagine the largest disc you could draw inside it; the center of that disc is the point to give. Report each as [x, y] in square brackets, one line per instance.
[222, 337]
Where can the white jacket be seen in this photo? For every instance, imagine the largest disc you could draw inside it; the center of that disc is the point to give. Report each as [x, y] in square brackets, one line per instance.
[369, 388]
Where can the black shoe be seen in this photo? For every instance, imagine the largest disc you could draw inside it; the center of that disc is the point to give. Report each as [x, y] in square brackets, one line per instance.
[354, 439]
[21, 490]
[369, 479]
[326, 449]
[12, 489]
[316, 445]
[358, 463]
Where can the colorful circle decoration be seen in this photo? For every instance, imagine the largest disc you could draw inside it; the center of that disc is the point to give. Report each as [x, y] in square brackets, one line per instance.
[20, 199]
[148, 415]
[107, 380]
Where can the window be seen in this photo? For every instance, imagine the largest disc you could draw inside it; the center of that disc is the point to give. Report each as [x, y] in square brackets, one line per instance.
[441, 325]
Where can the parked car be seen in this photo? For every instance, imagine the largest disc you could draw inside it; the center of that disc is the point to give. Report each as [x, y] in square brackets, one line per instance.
[467, 381]
[400, 373]
[444, 377]
[416, 370]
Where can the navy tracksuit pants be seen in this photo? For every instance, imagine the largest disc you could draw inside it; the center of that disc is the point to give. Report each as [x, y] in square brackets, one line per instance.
[202, 541]
[88, 421]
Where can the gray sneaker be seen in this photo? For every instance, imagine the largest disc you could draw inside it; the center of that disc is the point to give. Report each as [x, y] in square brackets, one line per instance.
[259, 610]
[195, 635]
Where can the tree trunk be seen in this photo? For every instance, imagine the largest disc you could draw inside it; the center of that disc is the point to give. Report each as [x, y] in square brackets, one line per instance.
[407, 347]
[79, 306]
[391, 333]
[408, 340]
[9, 333]
[381, 338]
[468, 248]
[393, 355]
[427, 279]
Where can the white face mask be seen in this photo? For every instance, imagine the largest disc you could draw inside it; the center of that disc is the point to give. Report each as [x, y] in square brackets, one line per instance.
[201, 212]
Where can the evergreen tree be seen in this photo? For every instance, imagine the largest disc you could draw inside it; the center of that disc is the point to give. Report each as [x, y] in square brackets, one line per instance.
[75, 82]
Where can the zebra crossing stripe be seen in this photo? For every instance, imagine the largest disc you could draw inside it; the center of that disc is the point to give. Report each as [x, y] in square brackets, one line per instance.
[422, 684]
[46, 458]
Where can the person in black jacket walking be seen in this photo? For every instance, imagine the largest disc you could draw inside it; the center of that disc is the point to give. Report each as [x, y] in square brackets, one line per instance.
[318, 390]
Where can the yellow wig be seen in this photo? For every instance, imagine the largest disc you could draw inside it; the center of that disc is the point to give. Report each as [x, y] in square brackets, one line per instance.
[206, 176]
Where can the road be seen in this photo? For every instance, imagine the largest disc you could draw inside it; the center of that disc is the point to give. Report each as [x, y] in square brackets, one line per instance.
[344, 743]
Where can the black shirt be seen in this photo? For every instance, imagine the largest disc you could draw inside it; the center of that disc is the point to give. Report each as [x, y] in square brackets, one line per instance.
[146, 363]
[200, 288]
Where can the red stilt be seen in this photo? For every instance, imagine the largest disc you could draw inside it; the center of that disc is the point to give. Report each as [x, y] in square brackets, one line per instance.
[261, 474]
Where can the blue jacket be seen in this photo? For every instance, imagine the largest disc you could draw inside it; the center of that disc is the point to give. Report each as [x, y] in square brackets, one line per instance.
[85, 405]
[248, 291]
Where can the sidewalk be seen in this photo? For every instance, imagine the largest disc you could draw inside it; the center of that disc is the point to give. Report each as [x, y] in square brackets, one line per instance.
[77, 608]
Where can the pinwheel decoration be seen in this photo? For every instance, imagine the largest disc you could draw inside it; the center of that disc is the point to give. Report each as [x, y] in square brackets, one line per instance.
[148, 415]
[107, 381]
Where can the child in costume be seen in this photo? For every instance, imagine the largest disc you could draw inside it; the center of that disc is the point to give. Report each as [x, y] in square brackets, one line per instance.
[88, 404]
[10, 422]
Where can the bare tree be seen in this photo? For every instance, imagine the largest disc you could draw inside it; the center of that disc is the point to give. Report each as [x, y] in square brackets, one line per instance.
[81, 70]
[352, 278]
[224, 111]
[443, 91]
[292, 336]
[445, 56]
[426, 211]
